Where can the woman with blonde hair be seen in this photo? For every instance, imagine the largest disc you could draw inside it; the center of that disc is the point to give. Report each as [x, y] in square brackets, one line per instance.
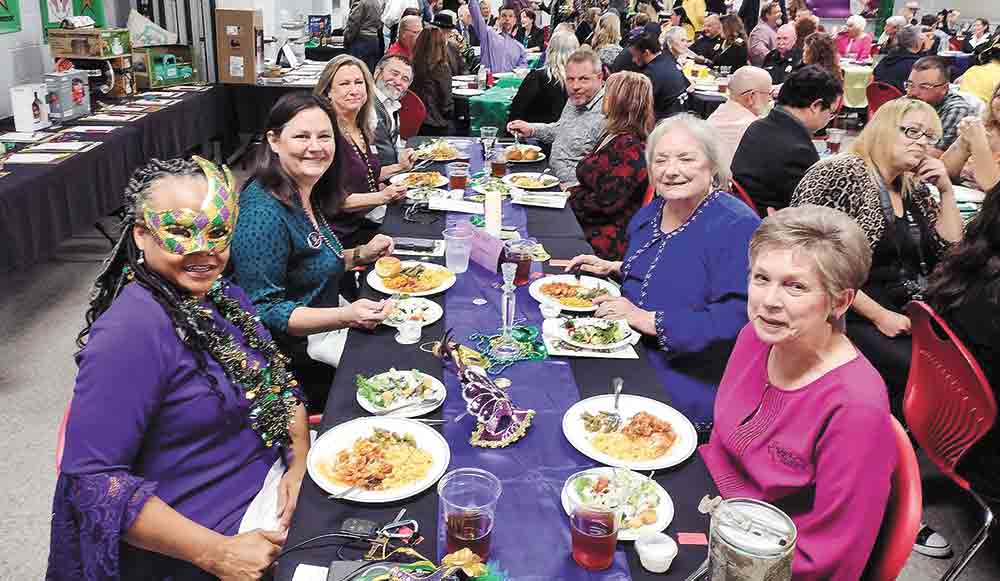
[613, 177]
[349, 87]
[542, 95]
[820, 49]
[882, 182]
[975, 155]
[608, 38]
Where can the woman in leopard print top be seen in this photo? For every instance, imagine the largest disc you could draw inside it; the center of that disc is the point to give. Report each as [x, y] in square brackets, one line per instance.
[892, 150]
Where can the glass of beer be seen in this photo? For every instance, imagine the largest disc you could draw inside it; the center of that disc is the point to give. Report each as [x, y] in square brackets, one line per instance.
[469, 497]
[458, 175]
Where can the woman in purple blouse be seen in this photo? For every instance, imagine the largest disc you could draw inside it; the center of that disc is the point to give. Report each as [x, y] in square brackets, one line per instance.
[184, 415]
[349, 86]
[802, 418]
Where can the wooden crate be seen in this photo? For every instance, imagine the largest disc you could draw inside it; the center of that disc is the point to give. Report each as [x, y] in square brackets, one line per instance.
[90, 43]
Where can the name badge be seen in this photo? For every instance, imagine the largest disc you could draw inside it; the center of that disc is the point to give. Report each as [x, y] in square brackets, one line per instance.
[373, 149]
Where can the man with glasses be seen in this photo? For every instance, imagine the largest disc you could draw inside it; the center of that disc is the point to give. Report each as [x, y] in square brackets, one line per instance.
[749, 98]
[776, 151]
[895, 67]
[784, 59]
[929, 82]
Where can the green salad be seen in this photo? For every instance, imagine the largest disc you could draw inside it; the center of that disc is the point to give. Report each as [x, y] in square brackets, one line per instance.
[634, 494]
[395, 387]
[595, 332]
[492, 184]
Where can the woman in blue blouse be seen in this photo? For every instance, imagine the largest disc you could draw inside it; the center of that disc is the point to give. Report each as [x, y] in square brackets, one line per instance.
[684, 273]
[284, 253]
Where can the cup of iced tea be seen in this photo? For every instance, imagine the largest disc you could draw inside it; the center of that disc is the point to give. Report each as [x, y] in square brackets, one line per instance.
[834, 137]
[469, 497]
[458, 175]
[594, 533]
[498, 165]
[520, 252]
[723, 84]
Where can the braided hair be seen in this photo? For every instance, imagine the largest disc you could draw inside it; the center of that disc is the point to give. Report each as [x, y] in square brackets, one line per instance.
[124, 266]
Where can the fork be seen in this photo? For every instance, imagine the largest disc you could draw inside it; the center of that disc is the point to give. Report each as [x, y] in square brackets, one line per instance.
[340, 495]
[615, 418]
[421, 402]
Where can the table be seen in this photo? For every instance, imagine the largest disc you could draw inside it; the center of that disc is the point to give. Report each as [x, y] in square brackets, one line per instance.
[704, 103]
[42, 205]
[367, 352]
[491, 109]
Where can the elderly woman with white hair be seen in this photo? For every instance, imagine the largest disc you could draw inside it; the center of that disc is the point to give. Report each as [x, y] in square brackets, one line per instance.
[542, 95]
[887, 41]
[801, 417]
[692, 227]
[675, 39]
[853, 42]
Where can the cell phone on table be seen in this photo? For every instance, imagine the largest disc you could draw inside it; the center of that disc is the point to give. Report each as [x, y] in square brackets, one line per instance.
[416, 244]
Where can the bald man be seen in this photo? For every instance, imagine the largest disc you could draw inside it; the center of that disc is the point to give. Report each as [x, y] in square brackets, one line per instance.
[781, 61]
[709, 41]
[749, 99]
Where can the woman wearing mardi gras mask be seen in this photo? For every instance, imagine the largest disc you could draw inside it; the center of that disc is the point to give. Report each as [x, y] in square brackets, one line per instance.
[184, 413]
[285, 253]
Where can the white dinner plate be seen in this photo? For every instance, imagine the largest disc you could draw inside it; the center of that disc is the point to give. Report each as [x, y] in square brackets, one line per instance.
[411, 411]
[466, 92]
[424, 194]
[535, 289]
[549, 180]
[375, 281]
[563, 334]
[342, 437]
[401, 177]
[464, 78]
[628, 406]
[664, 511]
[477, 186]
[508, 149]
[432, 311]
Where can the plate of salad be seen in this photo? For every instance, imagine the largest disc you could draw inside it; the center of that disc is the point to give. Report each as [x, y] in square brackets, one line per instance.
[645, 506]
[382, 393]
[419, 309]
[487, 184]
[591, 333]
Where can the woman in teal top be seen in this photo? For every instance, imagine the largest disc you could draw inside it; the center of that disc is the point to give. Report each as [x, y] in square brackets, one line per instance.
[284, 254]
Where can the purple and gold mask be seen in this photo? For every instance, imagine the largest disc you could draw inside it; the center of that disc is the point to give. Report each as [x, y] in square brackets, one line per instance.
[210, 229]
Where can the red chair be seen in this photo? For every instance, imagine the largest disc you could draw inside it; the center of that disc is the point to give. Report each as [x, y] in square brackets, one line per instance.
[650, 192]
[902, 515]
[879, 94]
[412, 113]
[949, 406]
[739, 192]
[61, 437]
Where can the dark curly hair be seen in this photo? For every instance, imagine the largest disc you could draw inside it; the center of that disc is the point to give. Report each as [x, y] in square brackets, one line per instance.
[973, 265]
[124, 266]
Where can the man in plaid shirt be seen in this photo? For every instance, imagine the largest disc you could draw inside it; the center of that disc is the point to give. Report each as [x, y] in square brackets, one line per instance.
[929, 82]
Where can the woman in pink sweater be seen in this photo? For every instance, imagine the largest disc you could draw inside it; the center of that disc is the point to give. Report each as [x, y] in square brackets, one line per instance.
[853, 42]
[801, 417]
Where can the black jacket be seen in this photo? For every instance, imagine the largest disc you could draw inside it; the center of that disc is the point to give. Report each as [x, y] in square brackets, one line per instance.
[669, 84]
[781, 66]
[535, 40]
[895, 67]
[434, 90]
[707, 46]
[538, 100]
[772, 157]
[734, 57]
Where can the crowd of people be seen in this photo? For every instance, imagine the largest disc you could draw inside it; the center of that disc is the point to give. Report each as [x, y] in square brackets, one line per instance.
[221, 315]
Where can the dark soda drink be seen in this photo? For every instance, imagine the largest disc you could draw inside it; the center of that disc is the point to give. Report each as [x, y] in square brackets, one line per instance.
[833, 146]
[499, 167]
[458, 182]
[472, 530]
[594, 537]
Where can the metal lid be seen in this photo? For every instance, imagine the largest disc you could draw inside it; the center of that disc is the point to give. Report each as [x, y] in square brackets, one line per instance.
[754, 526]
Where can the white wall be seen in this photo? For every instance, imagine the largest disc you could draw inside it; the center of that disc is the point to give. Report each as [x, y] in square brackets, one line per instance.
[272, 9]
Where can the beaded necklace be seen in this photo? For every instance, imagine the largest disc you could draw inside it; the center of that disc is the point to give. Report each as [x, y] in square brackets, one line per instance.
[372, 182]
[318, 238]
[271, 388]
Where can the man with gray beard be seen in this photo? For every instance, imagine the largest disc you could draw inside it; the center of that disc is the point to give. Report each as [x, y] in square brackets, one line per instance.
[393, 75]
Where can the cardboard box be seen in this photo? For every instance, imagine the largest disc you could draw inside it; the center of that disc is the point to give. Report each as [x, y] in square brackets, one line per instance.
[239, 45]
[31, 111]
[95, 43]
[69, 95]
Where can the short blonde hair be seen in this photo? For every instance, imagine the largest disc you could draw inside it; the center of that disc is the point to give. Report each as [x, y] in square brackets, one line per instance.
[834, 241]
[609, 30]
[704, 135]
[875, 143]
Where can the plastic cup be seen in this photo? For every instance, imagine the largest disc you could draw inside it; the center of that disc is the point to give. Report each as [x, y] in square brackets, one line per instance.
[408, 332]
[656, 551]
[469, 498]
[834, 137]
[458, 246]
[458, 175]
[520, 252]
[594, 534]
[488, 135]
[550, 308]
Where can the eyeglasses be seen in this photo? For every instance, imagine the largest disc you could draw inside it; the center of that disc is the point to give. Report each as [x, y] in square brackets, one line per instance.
[923, 86]
[915, 133]
[770, 97]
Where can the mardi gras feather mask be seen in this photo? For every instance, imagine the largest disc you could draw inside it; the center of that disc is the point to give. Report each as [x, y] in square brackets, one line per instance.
[499, 422]
[209, 229]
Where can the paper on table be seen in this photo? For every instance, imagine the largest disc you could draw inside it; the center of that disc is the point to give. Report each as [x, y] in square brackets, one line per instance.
[115, 118]
[73, 146]
[168, 94]
[543, 200]
[24, 137]
[126, 109]
[306, 572]
[438, 250]
[37, 157]
[449, 205]
[90, 129]
[155, 102]
[486, 249]
[554, 346]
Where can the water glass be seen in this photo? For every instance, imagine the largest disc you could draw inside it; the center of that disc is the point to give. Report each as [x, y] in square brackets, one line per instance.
[488, 135]
[458, 246]
[469, 498]
[408, 332]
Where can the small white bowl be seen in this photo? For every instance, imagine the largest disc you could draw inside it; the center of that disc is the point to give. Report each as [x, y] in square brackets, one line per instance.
[656, 551]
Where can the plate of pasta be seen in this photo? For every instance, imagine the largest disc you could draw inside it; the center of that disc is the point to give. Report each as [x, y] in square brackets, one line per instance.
[572, 294]
[413, 278]
[419, 180]
[650, 436]
[384, 459]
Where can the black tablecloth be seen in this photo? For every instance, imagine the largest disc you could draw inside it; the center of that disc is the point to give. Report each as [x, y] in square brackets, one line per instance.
[42, 205]
[367, 352]
[325, 53]
[704, 104]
